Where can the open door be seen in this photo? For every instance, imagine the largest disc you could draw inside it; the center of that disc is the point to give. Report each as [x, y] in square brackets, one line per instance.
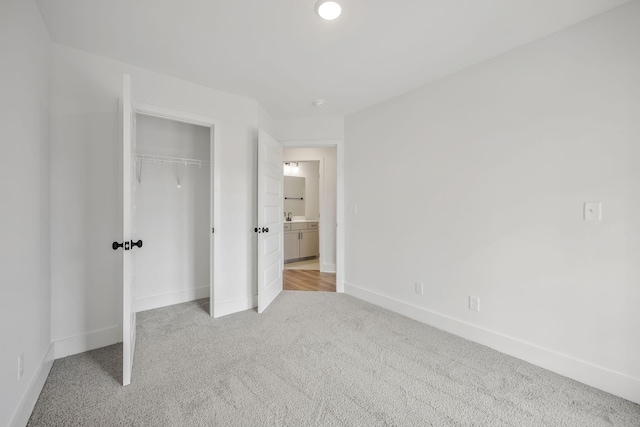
[270, 207]
[128, 229]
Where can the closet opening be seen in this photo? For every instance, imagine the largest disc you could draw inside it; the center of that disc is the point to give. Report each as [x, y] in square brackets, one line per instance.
[172, 210]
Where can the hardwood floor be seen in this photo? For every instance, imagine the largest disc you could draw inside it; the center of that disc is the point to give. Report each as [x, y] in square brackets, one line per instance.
[309, 280]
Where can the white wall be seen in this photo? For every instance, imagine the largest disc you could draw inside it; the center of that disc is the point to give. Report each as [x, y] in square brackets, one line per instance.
[308, 129]
[173, 222]
[86, 191]
[265, 122]
[25, 296]
[475, 185]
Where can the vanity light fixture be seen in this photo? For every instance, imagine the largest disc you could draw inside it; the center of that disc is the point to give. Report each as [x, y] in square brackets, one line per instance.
[291, 168]
[328, 10]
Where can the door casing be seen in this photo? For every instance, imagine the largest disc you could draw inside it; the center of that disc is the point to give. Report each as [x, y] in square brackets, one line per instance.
[214, 202]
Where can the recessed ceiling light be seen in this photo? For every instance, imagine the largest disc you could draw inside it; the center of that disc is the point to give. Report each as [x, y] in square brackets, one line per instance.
[328, 10]
[318, 103]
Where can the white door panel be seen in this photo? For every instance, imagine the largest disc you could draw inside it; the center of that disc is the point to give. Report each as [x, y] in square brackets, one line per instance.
[270, 230]
[128, 232]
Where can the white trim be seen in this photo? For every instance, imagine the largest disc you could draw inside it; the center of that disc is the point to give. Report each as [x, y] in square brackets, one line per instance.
[214, 132]
[87, 341]
[171, 298]
[28, 401]
[176, 115]
[215, 211]
[340, 222]
[588, 373]
[328, 268]
[235, 306]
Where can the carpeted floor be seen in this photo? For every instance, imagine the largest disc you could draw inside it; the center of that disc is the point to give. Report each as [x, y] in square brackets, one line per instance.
[313, 358]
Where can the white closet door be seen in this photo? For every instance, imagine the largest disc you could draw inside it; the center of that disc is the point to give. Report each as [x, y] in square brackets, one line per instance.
[128, 260]
[270, 229]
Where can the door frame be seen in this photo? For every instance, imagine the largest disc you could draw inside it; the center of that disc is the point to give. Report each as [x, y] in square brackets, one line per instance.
[214, 174]
[340, 204]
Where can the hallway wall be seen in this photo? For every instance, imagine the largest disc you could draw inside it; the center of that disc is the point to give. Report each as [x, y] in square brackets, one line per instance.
[25, 297]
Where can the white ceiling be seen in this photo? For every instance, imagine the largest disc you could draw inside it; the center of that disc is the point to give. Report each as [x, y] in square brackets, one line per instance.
[282, 54]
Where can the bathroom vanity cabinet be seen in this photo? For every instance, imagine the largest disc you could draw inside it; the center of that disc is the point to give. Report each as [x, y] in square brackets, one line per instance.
[300, 240]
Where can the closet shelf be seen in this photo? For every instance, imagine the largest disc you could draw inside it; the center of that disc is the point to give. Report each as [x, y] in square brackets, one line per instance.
[172, 160]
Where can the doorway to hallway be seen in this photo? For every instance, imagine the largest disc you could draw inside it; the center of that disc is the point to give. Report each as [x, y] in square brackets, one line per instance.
[310, 212]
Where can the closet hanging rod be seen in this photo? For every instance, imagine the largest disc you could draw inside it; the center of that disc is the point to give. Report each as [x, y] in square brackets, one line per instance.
[172, 160]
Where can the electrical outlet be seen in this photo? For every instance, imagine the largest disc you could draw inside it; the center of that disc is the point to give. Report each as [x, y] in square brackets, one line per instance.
[20, 366]
[419, 288]
[353, 209]
[474, 303]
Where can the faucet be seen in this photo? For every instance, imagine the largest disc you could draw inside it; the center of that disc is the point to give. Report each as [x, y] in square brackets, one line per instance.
[288, 216]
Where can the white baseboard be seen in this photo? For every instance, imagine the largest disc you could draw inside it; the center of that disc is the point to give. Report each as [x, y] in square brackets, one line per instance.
[171, 298]
[88, 341]
[328, 268]
[30, 398]
[235, 306]
[585, 372]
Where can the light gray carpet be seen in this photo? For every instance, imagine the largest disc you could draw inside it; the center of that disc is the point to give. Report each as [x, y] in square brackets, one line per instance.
[313, 359]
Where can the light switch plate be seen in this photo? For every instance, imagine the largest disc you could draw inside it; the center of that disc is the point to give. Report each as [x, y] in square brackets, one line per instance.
[353, 209]
[593, 211]
[474, 303]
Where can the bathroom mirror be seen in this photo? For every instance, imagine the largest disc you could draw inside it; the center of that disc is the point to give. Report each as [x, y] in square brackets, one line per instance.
[294, 189]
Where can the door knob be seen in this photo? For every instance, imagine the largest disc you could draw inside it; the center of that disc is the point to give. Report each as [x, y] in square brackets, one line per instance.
[124, 245]
[261, 230]
[138, 243]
